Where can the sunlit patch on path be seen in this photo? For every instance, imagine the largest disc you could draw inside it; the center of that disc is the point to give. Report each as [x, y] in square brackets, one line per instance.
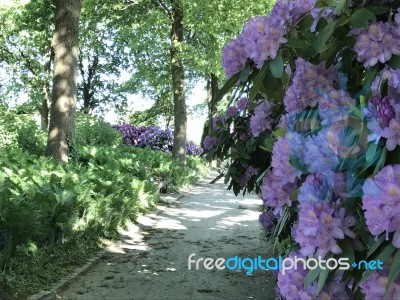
[151, 259]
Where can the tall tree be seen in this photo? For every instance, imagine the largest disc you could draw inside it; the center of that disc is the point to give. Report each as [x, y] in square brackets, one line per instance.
[101, 59]
[25, 53]
[197, 31]
[64, 93]
[178, 82]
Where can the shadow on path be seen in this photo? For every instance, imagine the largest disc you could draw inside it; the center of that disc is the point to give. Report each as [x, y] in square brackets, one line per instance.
[151, 259]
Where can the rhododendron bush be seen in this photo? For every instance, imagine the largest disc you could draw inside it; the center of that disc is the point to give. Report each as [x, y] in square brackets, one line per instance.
[313, 126]
[153, 137]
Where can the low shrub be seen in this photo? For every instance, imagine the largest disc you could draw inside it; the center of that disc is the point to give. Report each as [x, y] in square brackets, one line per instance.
[93, 131]
[47, 206]
[20, 131]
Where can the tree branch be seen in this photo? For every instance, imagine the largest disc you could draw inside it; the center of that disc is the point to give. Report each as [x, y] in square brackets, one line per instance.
[163, 8]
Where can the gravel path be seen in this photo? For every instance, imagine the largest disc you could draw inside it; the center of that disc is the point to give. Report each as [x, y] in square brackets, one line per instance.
[151, 260]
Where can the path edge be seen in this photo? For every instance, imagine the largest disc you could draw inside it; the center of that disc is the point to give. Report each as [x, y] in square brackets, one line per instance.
[65, 281]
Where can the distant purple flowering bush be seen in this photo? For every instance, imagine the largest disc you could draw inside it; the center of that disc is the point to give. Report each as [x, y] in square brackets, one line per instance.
[152, 137]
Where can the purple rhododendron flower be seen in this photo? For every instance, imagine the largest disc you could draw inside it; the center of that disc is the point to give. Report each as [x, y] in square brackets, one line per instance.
[231, 111]
[392, 133]
[262, 38]
[319, 226]
[267, 219]
[306, 82]
[375, 285]
[397, 17]
[319, 156]
[282, 11]
[393, 80]
[243, 103]
[276, 192]
[261, 120]
[281, 160]
[381, 203]
[317, 15]
[245, 177]
[379, 113]
[218, 123]
[376, 43]
[153, 137]
[209, 142]
[316, 188]
[291, 285]
[323, 188]
[233, 57]
[334, 105]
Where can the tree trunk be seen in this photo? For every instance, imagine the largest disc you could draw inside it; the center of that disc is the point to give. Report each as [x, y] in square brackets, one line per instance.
[178, 82]
[86, 98]
[63, 102]
[45, 105]
[212, 104]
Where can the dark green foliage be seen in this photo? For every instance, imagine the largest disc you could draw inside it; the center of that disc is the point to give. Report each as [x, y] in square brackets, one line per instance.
[92, 131]
[47, 208]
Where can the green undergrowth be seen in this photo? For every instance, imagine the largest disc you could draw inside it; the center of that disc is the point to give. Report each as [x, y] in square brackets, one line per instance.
[52, 216]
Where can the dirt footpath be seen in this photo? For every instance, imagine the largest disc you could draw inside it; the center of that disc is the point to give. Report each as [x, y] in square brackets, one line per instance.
[151, 261]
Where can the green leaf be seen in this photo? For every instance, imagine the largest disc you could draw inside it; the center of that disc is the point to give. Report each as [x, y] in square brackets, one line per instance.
[381, 162]
[329, 50]
[229, 84]
[268, 144]
[227, 177]
[236, 188]
[305, 23]
[370, 154]
[243, 162]
[276, 66]
[296, 43]
[322, 279]
[244, 75]
[323, 36]
[272, 87]
[361, 17]
[282, 223]
[348, 250]
[356, 111]
[293, 196]
[296, 164]
[394, 271]
[279, 132]
[376, 245]
[311, 276]
[369, 75]
[385, 88]
[394, 62]
[383, 256]
[258, 81]
[340, 7]
[245, 155]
